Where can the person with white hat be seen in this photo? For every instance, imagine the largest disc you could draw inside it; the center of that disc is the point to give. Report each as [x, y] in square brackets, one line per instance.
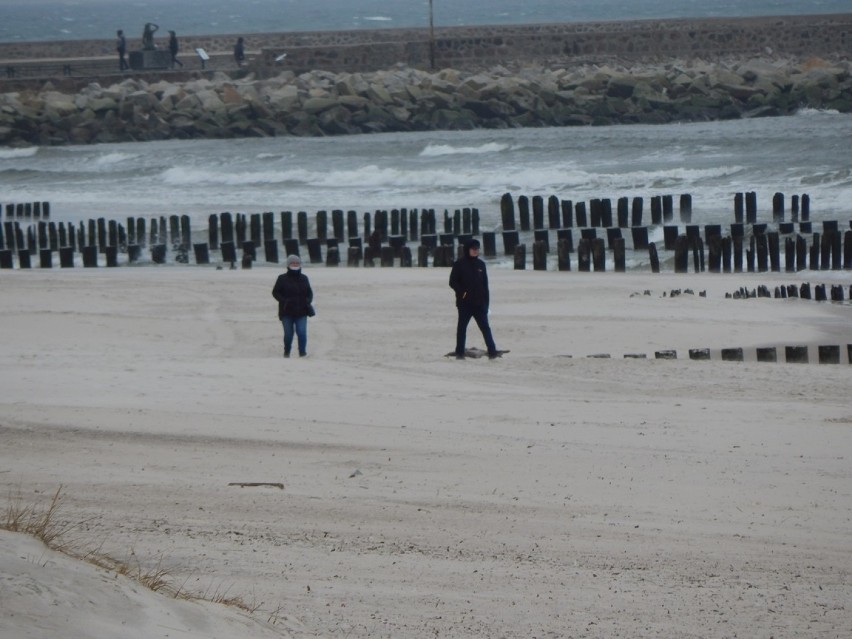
[295, 304]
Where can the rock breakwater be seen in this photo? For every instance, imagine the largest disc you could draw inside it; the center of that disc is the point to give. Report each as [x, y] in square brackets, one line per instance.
[405, 99]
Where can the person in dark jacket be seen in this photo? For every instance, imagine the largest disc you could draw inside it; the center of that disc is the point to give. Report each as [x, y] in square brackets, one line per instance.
[174, 47]
[469, 279]
[121, 47]
[240, 51]
[293, 292]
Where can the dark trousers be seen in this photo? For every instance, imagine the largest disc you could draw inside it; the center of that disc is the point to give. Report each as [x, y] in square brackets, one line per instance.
[480, 314]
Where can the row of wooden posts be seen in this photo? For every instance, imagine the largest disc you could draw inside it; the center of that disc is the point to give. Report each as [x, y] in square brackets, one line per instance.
[227, 233]
[393, 228]
[563, 213]
[821, 292]
[530, 216]
[531, 212]
[826, 354]
[26, 211]
[758, 252]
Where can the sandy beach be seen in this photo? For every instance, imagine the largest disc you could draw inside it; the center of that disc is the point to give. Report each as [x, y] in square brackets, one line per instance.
[543, 494]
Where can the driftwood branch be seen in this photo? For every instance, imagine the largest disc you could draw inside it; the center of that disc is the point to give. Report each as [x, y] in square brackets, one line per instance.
[254, 484]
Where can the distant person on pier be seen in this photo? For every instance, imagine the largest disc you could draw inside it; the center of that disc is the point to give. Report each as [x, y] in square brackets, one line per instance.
[240, 51]
[174, 47]
[121, 47]
[293, 292]
[148, 36]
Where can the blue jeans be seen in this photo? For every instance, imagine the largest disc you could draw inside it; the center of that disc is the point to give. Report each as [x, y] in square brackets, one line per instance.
[299, 326]
[480, 314]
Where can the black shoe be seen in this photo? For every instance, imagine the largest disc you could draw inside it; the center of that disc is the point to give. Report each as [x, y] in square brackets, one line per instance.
[303, 354]
[493, 354]
[460, 356]
[286, 353]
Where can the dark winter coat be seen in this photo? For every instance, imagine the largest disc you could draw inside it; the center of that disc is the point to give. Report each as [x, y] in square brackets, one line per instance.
[293, 292]
[469, 279]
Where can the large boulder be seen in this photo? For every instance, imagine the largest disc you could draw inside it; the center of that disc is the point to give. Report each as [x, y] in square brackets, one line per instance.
[315, 106]
[210, 101]
[621, 86]
[285, 98]
[188, 103]
[336, 121]
[101, 105]
[378, 94]
[230, 96]
[58, 104]
[489, 109]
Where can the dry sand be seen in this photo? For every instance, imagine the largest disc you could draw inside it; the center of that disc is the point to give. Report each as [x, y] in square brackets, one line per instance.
[539, 495]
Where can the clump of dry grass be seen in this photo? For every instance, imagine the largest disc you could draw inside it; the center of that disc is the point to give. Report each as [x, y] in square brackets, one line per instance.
[36, 521]
[43, 523]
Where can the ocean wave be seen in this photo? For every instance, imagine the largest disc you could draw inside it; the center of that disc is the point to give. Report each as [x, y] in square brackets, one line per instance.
[365, 177]
[573, 182]
[671, 177]
[179, 176]
[839, 177]
[810, 112]
[436, 150]
[565, 180]
[11, 154]
[378, 19]
[114, 158]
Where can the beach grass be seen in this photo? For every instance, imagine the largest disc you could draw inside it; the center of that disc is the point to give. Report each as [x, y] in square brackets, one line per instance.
[43, 521]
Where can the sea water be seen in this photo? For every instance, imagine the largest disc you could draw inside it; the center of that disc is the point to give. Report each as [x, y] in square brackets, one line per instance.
[94, 19]
[712, 161]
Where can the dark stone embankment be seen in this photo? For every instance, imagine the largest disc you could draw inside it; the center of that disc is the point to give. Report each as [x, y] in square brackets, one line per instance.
[320, 103]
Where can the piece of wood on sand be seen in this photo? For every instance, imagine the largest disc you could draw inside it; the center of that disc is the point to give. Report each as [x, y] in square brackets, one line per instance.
[255, 484]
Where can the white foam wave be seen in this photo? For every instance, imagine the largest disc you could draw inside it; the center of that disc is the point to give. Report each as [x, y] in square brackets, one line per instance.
[179, 176]
[378, 18]
[671, 177]
[11, 154]
[569, 181]
[436, 150]
[810, 112]
[114, 158]
[564, 180]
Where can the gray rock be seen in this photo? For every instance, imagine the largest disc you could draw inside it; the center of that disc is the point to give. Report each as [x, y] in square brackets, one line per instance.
[621, 86]
[315, 106]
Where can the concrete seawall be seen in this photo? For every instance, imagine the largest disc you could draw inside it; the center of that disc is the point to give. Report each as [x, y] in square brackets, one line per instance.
[483, 46]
